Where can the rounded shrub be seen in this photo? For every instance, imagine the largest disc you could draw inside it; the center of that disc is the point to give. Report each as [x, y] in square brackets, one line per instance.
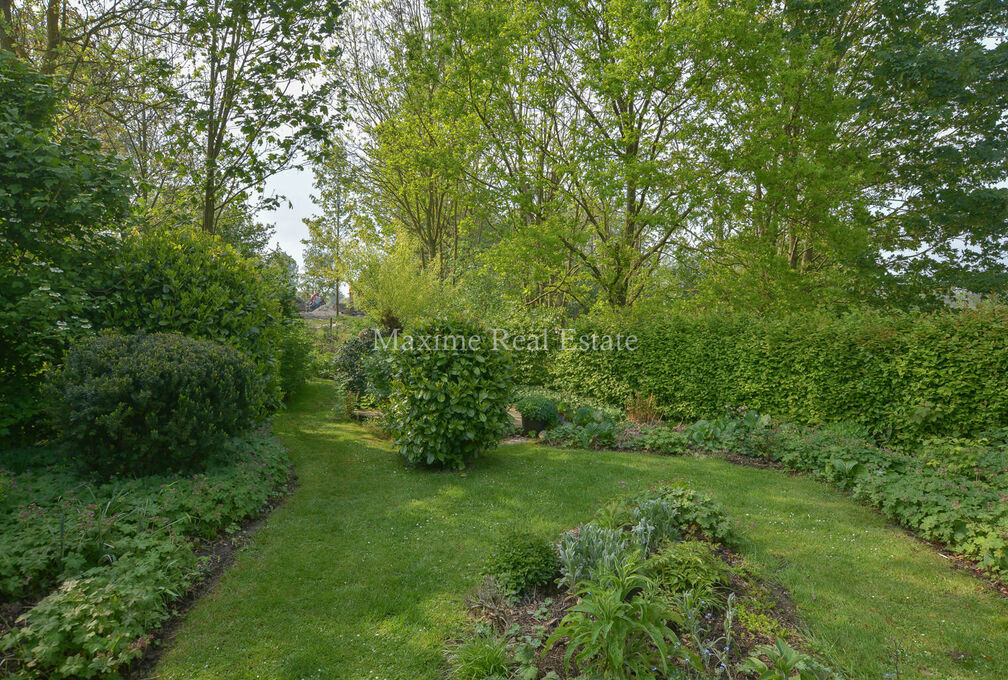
[448, 394]
[522, 561]
[145, 404]
[189, 282]
[538, 412]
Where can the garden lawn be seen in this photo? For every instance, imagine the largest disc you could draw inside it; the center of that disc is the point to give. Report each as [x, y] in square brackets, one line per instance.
[361, 573]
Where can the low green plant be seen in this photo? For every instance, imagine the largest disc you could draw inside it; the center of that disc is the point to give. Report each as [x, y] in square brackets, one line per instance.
[663, 440]
[692, 513]
[585, 415]
[785, 663]
[618, 629]
[537, 412]
[481, 657]
[592, 435]
[96, 623]
[589, 549]
[522, 561]
[680, 566]
[143, 404]
[449, 403]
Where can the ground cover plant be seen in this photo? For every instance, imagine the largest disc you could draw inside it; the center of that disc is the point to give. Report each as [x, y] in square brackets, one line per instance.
[375, 588]
[90, 567]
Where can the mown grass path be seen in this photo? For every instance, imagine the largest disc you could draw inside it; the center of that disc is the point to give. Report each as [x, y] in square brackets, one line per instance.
[360, 573]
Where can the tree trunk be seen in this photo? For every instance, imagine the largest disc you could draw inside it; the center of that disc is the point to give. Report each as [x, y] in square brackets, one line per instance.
[52, 37]
[6, 25]
[209, 191]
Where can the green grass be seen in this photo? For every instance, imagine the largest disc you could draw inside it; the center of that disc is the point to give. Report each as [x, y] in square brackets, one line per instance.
[360, 574]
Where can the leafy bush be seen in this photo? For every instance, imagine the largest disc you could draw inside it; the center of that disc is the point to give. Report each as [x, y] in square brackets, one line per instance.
[592, 435]
[148, 403]
[952, 491]
[521, 562]
[295, 357]
[589, 549]
[786, 663]
[188, 282]
[349, 363]
[663, 440]
[905, 376]
[58, 192]
[450, 404]
[63, 523]
[96, 623]
[688, 511]
[537, 412]
[585, 415]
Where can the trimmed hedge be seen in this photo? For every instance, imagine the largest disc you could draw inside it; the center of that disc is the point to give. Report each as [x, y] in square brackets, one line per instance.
[145, 404]
[904, 376]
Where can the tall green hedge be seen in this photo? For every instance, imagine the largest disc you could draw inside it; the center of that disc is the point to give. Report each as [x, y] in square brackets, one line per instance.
[903, 375]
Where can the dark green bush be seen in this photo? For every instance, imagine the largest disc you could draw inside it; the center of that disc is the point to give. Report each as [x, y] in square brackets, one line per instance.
[350, 361]
[523, 561]
[448, 404]
[904, 376]
[139, 404]
[185, 281]
[537, 412]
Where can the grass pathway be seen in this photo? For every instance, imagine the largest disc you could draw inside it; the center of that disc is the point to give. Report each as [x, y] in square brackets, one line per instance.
[360, 573]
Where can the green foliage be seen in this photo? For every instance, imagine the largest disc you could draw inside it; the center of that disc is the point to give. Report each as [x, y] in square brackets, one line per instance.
[117, 553]
[58, 189]
[688, 565]
[584, 415]
[688, 511]
[449, 404]
[663, 440]
[537, 412]
[588, 550]
[952, 491]
[140, 404]
[295, 357]
[185, 281]
[904, 376]
[619, 628]
[785, 663]
[481, 657]
[63, 523]
[349, 361]
[521, 562]
[593, 435]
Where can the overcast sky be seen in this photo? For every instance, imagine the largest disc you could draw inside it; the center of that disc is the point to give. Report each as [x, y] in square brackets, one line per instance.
[297, 187]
